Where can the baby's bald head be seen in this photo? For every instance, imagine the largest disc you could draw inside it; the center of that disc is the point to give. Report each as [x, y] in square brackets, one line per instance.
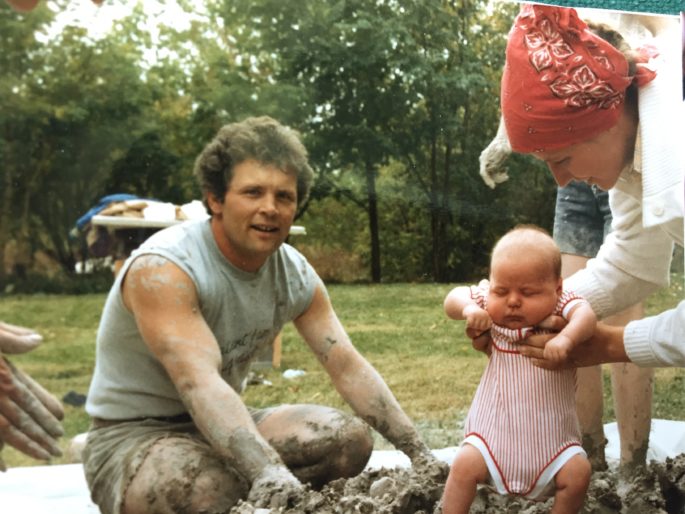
[529, 243]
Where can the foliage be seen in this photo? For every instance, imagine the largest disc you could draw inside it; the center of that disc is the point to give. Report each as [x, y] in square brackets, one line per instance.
[71, 106]
[391, 81]
[395, 101]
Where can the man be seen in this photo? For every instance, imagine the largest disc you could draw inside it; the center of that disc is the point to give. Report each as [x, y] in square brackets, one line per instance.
[188, 313]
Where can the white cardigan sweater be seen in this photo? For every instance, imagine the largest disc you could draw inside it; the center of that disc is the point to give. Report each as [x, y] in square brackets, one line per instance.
[647, 209]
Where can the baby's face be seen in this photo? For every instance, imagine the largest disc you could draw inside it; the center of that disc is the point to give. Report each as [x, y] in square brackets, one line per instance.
[523, 291]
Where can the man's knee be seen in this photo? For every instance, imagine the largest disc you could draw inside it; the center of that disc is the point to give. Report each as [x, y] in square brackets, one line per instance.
[176, 482]
[356, 445]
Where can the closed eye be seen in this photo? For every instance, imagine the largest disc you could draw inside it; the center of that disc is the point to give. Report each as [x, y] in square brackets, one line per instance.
[560, 162]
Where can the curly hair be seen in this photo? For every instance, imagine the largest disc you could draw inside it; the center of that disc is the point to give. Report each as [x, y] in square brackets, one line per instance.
[262, 139]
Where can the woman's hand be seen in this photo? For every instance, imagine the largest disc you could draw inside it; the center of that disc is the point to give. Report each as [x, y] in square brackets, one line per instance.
[605, 345]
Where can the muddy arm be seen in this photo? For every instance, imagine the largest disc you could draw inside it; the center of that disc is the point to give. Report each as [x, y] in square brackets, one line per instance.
[360, 385]
[164, 301]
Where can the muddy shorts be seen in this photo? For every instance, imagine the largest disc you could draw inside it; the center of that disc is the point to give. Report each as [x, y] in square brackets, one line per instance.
[114, 453]
[582, 219]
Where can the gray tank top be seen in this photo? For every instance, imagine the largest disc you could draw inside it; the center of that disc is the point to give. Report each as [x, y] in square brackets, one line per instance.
[245, 312]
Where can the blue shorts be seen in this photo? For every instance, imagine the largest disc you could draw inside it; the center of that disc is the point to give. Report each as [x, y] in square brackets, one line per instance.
[582, 219]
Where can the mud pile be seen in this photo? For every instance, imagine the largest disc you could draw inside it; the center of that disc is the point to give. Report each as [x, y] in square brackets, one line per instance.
[659, 488]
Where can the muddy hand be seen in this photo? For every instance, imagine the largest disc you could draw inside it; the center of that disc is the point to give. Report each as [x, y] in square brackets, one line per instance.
[275, 487]
[29, 415]
[15, 339]
[425, 464]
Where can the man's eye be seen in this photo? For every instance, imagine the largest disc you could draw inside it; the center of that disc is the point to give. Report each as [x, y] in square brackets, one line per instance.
[286, 197]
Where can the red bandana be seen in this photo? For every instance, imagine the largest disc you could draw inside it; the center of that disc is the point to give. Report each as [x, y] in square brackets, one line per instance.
[562, 84]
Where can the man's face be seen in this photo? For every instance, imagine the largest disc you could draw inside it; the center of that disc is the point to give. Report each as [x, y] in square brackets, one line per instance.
[599, 160]
[256, 214]
[522, 293]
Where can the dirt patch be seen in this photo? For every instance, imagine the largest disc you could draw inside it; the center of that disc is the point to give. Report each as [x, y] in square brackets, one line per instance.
[660, 488]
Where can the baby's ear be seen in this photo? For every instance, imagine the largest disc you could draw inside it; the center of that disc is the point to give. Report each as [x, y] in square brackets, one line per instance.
[560, 286]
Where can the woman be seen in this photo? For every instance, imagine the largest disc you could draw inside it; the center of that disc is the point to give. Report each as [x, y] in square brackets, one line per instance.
[574, 101]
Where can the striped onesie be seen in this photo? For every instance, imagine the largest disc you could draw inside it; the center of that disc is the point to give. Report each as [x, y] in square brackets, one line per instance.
[523, 418]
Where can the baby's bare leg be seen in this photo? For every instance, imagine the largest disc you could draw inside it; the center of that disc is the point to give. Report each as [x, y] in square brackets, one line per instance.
[571, 482]
[467, 471]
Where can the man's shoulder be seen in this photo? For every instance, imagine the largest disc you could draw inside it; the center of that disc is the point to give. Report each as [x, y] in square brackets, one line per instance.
[291, 253]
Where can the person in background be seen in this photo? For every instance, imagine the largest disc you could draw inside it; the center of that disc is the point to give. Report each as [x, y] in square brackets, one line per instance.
[582, 220]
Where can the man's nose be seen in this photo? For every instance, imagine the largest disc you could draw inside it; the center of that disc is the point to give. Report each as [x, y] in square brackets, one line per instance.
[269, 205]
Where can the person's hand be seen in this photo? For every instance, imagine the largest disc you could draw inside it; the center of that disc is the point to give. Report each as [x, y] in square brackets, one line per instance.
[15, 339]
[477, 320]
[535, 345]
[481, 339]
[275, 487]
[606, 345]
[29, 415]
[557, 349]
[427, 465]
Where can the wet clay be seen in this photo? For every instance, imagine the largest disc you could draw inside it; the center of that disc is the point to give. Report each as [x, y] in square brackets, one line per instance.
[657, 489]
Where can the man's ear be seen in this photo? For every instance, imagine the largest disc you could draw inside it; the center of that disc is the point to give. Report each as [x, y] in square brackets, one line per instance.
[215, 205]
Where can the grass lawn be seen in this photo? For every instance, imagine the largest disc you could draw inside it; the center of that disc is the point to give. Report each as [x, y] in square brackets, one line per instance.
[425, 358]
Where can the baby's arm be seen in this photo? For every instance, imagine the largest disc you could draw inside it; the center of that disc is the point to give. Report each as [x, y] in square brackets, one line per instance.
[581, 325]
[460, 305]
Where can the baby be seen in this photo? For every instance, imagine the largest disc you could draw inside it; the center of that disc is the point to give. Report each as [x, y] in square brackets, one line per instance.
[522, 433]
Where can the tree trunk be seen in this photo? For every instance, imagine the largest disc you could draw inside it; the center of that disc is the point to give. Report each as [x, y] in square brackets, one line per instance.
[434, 212]
[440, 243]
[372, 208]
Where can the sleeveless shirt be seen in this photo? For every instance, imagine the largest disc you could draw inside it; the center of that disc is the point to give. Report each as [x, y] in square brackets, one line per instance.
[245, 311]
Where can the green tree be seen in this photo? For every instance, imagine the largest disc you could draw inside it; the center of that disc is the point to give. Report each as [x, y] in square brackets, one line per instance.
[70, 110]
[347, 55]
[20, 52]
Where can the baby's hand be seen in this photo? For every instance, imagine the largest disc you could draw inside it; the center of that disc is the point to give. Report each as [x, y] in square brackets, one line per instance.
[477, 320]
[558, 349]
